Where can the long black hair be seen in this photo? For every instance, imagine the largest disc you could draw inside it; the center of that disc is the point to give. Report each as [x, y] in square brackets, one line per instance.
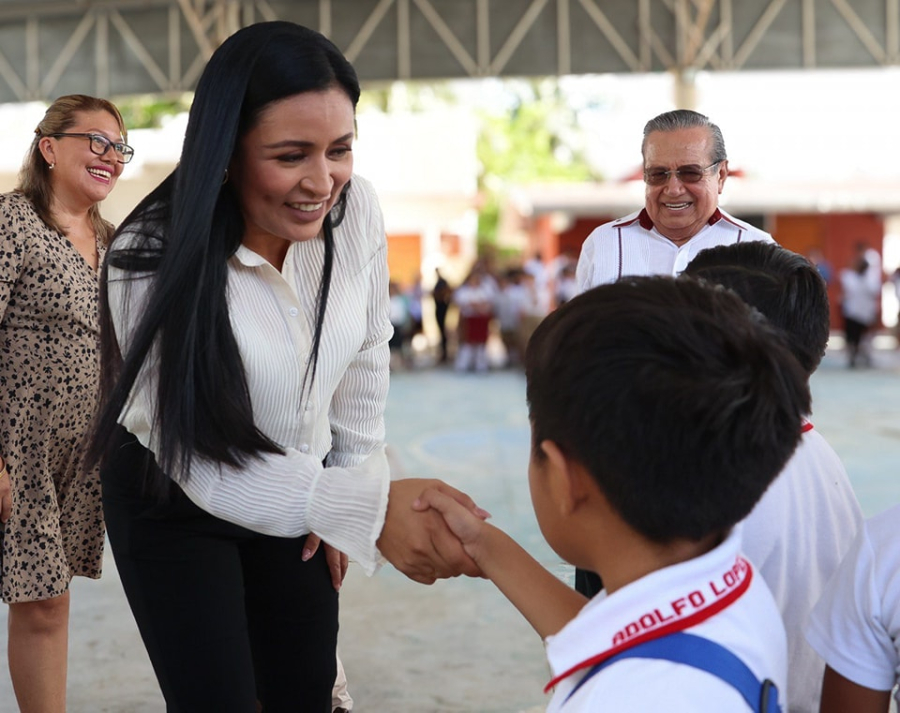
[184, 232]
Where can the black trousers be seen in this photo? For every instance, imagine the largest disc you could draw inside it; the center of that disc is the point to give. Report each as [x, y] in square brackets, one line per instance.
[229, 617]
[587, 583]
[854, 332]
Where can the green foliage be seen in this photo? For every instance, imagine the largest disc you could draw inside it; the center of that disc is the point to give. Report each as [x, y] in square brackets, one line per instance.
[407, 96]
[147, 111]
[529, 133]
[536, 140]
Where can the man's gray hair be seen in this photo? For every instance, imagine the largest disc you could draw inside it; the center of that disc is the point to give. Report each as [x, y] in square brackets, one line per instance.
[686, 119]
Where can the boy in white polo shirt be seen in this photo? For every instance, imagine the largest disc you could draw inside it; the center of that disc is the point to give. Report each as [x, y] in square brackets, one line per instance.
[855, 626]
[805, 523]
[661, 409]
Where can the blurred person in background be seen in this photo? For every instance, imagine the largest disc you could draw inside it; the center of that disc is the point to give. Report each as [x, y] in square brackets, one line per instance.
[413, 294]
[442, 294]
[817, 258]
[533, 307]
[474, 299]
[860, 296]
[895, 284]
[566, 284]
[401, 321]
[508, 305]
[53, 242]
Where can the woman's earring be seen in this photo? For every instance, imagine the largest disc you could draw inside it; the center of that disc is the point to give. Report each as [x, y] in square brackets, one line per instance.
[51, 166]
[225, 178]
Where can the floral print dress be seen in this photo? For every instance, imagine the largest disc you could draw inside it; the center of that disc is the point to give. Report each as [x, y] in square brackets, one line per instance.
[49, 381]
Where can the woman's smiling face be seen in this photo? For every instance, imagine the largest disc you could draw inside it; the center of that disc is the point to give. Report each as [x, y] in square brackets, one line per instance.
[290, 168]
[79, 176]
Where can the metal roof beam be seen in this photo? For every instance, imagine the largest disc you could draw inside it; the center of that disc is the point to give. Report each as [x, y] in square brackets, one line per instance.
[133, 46]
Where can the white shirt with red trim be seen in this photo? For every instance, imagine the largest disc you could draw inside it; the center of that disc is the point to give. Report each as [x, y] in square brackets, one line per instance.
[688, 596]
[856, 624]
[632, 246]
[796, 537]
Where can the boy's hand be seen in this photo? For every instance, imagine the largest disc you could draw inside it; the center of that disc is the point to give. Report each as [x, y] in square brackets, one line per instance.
[466, 523]
[417, 541]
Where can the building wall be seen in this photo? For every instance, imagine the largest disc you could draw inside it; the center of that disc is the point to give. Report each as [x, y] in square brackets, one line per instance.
[835, 235]
[405, 258]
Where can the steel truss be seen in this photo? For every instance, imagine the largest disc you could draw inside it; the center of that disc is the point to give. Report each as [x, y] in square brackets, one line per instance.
[117, 47]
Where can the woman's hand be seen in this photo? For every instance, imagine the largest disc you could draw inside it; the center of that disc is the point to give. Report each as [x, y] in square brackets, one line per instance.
[462, 521]
[337, 560]
[419, 543]
[5, 494]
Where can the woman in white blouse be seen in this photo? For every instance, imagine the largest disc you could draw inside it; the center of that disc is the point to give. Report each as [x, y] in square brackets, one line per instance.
[247, 322]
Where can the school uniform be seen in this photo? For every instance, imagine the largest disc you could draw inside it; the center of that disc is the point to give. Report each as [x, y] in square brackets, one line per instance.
[632, 246]
[718, 596]
[796, 537]
[855, 626]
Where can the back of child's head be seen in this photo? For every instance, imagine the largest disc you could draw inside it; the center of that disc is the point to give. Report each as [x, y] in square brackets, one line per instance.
[783, 285]
[681, 401]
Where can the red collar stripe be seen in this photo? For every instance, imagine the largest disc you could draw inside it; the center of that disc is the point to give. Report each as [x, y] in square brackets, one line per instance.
[647, 223]
[679, 625]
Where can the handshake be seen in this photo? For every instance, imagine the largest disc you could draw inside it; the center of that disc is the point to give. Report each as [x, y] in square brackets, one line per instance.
[429, 530]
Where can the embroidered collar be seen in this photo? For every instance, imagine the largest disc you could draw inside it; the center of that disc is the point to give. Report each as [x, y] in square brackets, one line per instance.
[647, 223]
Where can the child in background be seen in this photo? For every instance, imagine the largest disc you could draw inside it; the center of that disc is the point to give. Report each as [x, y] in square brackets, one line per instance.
[474, 298]
[401, 322]
[805, 523]
[661, 409]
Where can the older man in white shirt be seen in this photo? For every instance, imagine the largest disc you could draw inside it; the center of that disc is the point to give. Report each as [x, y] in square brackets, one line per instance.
[685, 167]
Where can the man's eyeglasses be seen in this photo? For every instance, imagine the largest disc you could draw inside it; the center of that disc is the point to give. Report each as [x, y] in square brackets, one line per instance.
[685, 174]
[100, 145]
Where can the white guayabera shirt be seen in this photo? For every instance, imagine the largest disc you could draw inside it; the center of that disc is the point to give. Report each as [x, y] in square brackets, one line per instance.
[632, 246]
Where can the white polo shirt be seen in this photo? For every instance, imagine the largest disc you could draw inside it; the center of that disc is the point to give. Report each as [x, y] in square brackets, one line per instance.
[796, 537]
[690, 593]
[856, 624]
[632, 246]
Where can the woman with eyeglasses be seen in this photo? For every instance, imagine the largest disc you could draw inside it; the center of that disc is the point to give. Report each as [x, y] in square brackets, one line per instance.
[246, 323]
[52, 241]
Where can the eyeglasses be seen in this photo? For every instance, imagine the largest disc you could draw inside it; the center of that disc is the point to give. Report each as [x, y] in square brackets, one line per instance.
[100, 145]
[685, 174]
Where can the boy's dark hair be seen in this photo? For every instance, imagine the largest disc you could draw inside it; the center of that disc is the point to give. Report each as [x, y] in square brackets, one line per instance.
[783, 285]
[681, 402]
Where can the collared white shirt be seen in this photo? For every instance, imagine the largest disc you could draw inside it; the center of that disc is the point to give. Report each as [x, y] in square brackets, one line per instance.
[750, 627]
[860, 299]
[856, 624]
[796, 537]
[632, 246]
[342, 415]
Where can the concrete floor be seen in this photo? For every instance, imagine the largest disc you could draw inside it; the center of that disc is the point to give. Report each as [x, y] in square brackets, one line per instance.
[458, 646]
